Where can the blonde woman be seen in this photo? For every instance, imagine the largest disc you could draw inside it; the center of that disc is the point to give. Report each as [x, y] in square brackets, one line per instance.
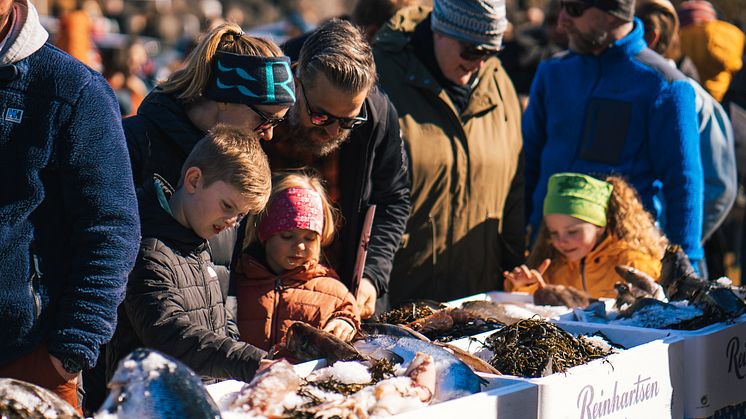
[230, 78]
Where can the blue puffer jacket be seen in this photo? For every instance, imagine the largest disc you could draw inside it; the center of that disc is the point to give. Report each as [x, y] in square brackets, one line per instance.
[69, 229]
[625, 112]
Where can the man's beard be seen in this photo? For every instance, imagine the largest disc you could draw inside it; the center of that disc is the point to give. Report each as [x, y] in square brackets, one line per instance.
[588, 43]
[300, 137]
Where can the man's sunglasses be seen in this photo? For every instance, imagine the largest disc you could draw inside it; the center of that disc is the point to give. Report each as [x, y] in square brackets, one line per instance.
[471, 52]
[575, 8]
[266, 122]
[322, 119]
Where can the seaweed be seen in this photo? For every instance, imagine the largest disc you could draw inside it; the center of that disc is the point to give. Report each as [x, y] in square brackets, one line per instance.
[406, 313]
[535, 348]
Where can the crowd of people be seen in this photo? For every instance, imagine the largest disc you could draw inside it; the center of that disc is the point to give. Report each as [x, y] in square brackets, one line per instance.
[236, 194]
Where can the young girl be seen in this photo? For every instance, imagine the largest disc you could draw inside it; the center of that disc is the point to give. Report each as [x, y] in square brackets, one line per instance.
[590, 226]
[279, 279]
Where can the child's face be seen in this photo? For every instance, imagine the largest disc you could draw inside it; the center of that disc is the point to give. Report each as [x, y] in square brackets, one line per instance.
[212, 209]
[291, 248]
[572, 237]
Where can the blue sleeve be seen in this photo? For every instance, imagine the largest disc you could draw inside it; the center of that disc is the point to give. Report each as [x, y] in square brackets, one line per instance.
[675, 149]
[533, 127]
[101, 208]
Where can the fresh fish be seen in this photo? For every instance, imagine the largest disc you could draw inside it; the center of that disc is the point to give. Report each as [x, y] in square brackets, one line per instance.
[307, 343]
[150, 385]
[19, 400]
[392, 330]
[453, 377]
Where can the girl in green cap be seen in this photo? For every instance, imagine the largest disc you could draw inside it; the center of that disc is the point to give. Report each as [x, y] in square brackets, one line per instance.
[590, 226]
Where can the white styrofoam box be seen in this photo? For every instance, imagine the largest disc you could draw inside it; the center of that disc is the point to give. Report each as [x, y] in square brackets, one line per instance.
[499, 398]
[710, 370]
[634, 383]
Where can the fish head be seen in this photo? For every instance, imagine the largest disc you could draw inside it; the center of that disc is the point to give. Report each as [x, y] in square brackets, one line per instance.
[306, 343]
[147, 383]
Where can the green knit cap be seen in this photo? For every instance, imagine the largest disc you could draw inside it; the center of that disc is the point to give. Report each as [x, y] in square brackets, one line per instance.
[580, 196]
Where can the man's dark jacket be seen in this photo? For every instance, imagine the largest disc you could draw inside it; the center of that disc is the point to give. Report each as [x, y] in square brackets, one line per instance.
[174, 303]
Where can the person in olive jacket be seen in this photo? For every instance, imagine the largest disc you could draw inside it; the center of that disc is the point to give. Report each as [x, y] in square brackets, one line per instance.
[173, 302]
[460, 121]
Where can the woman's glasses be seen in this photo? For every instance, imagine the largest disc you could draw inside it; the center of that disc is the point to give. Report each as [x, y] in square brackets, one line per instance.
[323, 119]
[266, 122]
[472, 52]
[575, 8]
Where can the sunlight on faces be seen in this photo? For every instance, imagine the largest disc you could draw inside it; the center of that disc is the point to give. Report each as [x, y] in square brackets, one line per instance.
[290, 249]
[324, 97]
[587, 33]
[448, 56]
[213, 208]
[241, 116]
[572, 237]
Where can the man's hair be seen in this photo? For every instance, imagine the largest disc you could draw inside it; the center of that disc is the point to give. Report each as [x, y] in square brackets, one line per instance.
[656, 18]
[189, 83]
[338, 50]
[234, 156]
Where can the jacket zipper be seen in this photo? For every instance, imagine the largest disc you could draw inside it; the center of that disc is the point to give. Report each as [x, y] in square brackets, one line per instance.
[206, 287]
[275, 315]
[582, 274]
[35, 276]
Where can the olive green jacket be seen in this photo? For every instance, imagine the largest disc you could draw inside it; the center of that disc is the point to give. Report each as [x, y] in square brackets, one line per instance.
[467, 218]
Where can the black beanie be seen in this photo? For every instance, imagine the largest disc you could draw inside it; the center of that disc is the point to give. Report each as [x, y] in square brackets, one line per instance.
[623, 9]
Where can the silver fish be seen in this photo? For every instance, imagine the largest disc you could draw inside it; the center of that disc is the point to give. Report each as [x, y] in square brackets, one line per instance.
[453, 377]
[150, 385]
[19, 399]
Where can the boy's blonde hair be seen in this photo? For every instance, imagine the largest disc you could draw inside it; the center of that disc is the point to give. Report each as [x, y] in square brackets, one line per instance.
[627, 220]
[189, 83]
[282, 181]
[234, 156]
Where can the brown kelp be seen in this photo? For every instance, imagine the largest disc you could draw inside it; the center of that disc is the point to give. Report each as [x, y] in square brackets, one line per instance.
[536, 348]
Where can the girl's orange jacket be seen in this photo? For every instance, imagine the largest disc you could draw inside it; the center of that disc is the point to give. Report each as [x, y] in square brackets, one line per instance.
[268, 304]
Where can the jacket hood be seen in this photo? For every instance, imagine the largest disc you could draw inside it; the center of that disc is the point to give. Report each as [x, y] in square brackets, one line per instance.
[168, 114]
[156, 222]
[395, 34]
[27, 36]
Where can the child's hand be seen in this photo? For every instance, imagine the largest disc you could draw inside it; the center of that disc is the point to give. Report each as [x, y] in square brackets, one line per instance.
[340, 328]
[523, 276]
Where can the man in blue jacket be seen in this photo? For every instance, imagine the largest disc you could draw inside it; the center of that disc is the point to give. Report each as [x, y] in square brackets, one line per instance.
[609, 105]
[69, 230]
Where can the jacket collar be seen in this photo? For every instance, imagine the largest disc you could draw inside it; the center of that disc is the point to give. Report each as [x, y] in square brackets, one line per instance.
[254, 268]
[169, 115]
[27, 36]
[157, 222]
[609, 247]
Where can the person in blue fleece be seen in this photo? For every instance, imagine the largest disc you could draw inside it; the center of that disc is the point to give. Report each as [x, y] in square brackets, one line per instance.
[69, 227]
[610, 106]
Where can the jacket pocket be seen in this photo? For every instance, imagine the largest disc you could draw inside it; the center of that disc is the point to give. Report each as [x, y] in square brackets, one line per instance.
[605, 131]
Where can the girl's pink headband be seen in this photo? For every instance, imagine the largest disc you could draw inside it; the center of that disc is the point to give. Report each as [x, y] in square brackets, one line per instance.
[292, 208]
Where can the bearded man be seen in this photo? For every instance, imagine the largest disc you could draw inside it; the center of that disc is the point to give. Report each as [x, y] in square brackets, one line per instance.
[344, 128]
[610, 105]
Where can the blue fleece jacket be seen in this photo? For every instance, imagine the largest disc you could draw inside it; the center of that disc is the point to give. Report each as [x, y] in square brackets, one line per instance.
[69, 229]
[624, 112]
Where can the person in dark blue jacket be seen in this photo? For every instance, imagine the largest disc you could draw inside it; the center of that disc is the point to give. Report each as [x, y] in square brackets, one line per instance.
[69, 228]
[610, 106]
